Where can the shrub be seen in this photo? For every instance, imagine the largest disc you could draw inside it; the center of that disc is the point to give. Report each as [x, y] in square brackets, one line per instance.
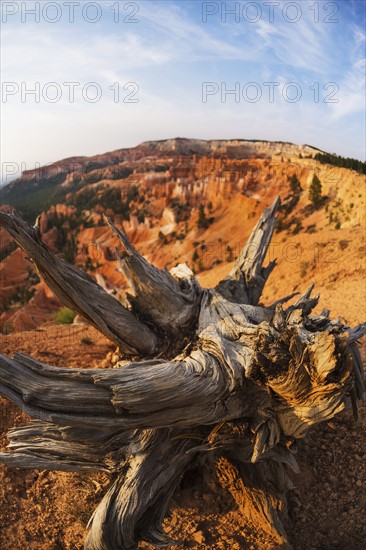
[65, 316]
[304, 266]
[279, 225]
[202, 222]
[295, 185]
[229, 254]
[311, 229]
[162, 237]
[297, 228]
[315, 191]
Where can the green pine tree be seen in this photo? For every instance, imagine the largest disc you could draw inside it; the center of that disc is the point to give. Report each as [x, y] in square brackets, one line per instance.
[202, 222]
[315, 191]
[295, 185]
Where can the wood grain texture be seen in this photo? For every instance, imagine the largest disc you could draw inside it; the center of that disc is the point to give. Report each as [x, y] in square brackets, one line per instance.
[252, 381]
[170, 304]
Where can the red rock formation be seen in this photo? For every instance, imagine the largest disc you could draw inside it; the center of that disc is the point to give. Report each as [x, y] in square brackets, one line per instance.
[159, 188]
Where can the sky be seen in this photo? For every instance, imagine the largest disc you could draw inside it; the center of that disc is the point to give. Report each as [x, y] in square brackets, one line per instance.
[82, 78]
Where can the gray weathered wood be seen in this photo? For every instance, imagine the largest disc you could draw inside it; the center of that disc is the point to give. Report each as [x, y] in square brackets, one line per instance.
[170, 304]
[251, 382]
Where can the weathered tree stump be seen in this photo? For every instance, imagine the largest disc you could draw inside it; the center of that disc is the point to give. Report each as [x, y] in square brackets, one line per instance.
[210, 371]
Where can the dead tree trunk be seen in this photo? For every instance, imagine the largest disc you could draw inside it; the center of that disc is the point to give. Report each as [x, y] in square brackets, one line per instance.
[214, 373]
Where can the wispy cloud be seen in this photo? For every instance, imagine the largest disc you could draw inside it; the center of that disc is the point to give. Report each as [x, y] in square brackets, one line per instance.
[352, 94]
[188, 39]
[169, 53]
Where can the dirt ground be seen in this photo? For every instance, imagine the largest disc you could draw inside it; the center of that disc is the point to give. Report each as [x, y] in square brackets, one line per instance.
[42, 510]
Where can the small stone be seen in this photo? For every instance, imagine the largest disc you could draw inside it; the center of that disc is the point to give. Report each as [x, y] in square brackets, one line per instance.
[359, 483]
[199, 537]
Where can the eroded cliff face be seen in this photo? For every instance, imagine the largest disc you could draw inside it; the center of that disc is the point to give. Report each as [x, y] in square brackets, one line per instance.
[195, 202]
[233, 148]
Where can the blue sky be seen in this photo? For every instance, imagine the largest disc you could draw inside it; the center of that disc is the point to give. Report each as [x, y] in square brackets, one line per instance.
[296, 72]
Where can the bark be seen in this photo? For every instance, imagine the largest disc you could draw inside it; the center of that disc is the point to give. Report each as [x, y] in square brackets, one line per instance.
[251, 382]
[173, 305]
[188, 392]
[135, 505]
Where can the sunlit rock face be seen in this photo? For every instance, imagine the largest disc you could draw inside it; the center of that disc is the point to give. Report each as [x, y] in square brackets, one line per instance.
[189, 201]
